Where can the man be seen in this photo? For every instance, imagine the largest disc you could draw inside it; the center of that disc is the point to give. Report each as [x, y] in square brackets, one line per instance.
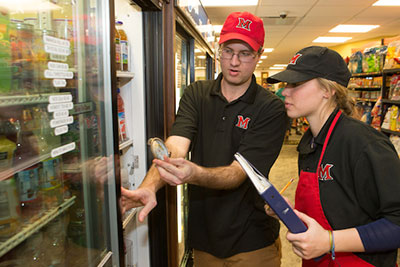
[227, 222]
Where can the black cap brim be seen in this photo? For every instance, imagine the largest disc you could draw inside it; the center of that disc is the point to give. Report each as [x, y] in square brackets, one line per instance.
[290, 76]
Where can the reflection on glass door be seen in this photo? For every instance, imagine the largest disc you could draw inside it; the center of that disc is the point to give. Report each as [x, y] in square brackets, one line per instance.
[57, 189]
[200, 63]
[182, 79]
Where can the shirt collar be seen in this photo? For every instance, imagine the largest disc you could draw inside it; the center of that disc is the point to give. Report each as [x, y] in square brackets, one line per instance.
[249, 96]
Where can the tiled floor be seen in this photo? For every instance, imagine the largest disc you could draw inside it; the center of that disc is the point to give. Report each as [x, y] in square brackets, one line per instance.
[283, 170]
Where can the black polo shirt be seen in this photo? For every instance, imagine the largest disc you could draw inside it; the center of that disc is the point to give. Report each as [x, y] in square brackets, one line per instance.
[360, 177]
[227, 222]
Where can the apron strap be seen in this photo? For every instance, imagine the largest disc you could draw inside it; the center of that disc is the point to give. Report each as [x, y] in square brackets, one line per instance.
[331, 127]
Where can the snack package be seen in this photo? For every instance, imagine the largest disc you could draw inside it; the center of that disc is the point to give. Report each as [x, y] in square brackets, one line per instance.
[373, 59]
[392, 60]
[386, 120]
[355, 63]
[396, 142]
[393, 118]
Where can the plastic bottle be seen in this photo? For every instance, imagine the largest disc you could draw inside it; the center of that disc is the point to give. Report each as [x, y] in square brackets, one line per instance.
[124, 46]
[117, 38]
[121, 117]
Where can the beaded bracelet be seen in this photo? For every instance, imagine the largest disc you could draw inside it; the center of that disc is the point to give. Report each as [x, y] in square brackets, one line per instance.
[332, 244]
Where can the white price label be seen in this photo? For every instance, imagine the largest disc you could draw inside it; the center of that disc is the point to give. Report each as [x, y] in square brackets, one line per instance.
[60, 114]
[57, 66]
[47, 39]
[57, 50]
[54, 74]
[62, 121]
[61, 130]
[60, 98]
[59, 82]
[63, 149]
[60, 106]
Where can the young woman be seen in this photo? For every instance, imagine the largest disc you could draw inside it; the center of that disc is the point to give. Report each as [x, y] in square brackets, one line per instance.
[349, 187]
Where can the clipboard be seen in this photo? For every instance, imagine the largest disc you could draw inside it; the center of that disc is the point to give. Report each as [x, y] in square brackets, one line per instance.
[275, 200]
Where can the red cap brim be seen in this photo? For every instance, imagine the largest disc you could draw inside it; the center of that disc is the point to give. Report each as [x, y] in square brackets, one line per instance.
[237, 36]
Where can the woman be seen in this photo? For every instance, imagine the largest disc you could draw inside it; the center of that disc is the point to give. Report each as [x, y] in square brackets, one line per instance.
[349, 187]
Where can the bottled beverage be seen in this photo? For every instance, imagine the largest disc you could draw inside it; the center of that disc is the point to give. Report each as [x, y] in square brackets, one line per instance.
[121, 117]
[5, 52]
[7, 148]
[51, 183]
[9, 208]
[117, 39]
[124, 46]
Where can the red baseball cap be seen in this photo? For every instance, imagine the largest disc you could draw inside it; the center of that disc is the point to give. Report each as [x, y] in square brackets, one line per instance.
[243, 26]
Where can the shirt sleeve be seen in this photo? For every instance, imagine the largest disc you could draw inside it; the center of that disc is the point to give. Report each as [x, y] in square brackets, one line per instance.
[186, 120]
[377, 181]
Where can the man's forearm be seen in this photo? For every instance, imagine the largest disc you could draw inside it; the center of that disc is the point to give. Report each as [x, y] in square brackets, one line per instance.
[152, 180]
[223, 178]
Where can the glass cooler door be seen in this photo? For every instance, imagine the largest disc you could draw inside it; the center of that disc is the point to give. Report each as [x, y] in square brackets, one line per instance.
[58, 203]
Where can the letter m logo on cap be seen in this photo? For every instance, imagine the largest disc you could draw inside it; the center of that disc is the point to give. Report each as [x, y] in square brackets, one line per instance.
[244, 24]
[294, 59]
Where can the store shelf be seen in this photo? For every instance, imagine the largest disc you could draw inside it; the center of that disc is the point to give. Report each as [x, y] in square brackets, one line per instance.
[129, 218]
[390, 131]
[26, 164]
[29, 229]
[125, 74]
[125, 144]
[6, 101]
[375, 88]
[358, 99]
[394, 102]
[390, 71]
[369, 74]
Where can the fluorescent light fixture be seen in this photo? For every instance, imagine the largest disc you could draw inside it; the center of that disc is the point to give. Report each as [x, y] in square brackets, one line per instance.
[263, 57]
[208, 3]
[268, 50]
[217, 28]
[353, 28]
[276, 68]
[280, 65]
[201, 57]
[260, 61]
[331, 39]
[387, 3]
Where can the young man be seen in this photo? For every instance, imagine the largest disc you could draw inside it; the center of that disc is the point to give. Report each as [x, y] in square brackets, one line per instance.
[227, 223]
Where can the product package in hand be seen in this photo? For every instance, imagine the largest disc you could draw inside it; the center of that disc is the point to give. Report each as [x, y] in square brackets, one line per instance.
[158, 148]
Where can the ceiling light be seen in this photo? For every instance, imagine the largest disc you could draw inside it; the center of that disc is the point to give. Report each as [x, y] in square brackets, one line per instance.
[201, 57]
[268, 50]
[263, 57]
[208, 3]
[353, 28]
[260, 61]
[276, 68]
[280, 65]
[387, 3]
[217, 28]
[331, 39]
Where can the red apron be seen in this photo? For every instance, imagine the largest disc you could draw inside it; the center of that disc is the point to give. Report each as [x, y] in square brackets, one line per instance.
[307, 200]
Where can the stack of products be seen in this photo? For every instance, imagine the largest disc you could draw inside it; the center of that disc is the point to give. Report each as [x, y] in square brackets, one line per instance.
[392, 119]
[370, 60]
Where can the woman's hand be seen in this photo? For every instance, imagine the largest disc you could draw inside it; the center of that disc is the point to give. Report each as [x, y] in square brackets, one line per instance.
[271, 213]
[312, 243]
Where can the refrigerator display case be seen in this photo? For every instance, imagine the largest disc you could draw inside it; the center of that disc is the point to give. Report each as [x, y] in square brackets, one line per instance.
[58, 188]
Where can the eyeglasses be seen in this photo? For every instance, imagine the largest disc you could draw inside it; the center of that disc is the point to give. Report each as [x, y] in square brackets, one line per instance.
[243, 56]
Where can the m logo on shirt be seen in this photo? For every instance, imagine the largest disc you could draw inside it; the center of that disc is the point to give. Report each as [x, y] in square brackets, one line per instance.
[242, 122]
[325, 172]
[294, 59]
[244, 24]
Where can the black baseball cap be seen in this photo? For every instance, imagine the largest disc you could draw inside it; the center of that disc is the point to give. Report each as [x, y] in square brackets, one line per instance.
[314, 62]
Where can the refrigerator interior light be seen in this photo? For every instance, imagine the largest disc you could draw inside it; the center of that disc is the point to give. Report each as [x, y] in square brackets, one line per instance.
[21, 6]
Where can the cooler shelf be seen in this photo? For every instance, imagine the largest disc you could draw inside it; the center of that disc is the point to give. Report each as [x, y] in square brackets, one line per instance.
[29, 229]
[17, 100]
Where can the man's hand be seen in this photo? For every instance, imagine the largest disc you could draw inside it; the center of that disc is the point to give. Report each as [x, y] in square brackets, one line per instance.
[137, 198]
[176, 171]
